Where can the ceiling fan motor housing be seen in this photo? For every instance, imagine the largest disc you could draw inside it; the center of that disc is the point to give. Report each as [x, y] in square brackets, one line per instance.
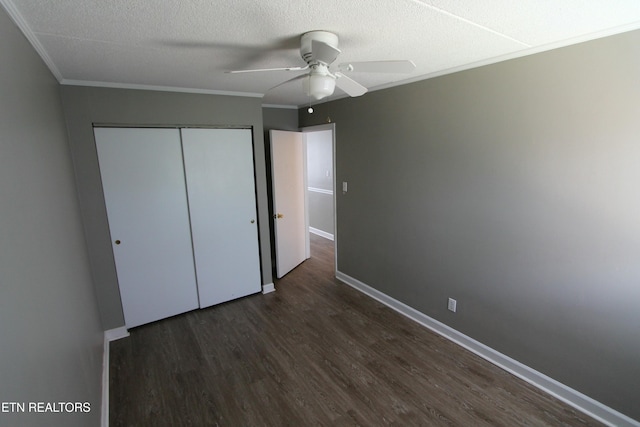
[306, 43]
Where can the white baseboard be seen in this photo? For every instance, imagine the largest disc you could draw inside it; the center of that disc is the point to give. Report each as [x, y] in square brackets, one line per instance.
[572, 397]
[116, 334]
[321, 233]
[268, 288]
[110, 335]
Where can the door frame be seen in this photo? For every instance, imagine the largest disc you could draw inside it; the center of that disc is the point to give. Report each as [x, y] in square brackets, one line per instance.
[318, 128]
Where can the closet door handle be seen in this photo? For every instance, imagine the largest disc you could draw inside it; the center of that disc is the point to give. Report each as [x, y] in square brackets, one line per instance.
[117, 242]
[252, 221]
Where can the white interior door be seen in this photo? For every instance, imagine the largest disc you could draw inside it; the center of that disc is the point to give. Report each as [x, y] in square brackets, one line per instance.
[145, 194]
[289, 200]
[222, 205]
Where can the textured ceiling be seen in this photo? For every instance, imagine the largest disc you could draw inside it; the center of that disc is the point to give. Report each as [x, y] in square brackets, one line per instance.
[189, 44]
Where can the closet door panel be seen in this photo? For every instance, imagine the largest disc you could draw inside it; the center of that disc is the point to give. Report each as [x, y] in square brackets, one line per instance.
[144, 189]
[222, 204]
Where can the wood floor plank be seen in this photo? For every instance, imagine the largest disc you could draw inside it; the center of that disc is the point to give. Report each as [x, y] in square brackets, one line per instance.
[314, 353]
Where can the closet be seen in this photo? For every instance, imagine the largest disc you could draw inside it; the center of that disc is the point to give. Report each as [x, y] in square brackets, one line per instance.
[182, 217]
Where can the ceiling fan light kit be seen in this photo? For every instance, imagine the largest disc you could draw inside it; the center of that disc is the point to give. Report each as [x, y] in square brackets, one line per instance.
[319, 49]
[319, 86]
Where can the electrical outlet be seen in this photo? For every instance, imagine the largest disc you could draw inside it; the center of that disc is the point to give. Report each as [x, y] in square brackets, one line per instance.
[452, 305]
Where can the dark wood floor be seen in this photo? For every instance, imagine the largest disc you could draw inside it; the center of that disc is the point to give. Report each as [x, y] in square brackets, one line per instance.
[315, 352]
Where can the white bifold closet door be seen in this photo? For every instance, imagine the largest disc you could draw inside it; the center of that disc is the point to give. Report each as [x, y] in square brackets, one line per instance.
[144, 189]
[181, 206]
[222, 203]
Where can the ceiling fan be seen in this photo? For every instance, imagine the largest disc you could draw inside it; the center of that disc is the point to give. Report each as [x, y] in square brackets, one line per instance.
[319, 49]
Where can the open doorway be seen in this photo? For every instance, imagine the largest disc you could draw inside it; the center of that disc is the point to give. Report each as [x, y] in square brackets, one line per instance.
[303, 189]
[320, 169]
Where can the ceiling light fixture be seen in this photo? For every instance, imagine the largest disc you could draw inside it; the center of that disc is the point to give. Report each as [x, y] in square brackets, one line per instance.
[319, 83]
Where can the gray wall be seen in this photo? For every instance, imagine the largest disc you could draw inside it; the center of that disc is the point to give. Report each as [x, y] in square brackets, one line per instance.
[279, 119]
[85, 106]
[50, 332]
[319, 165]
[513, 188]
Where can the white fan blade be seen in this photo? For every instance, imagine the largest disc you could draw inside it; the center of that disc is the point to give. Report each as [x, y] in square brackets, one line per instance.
[403, 66]
[320, 51]
[351, 87]
[300, 77]
[268, 69]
